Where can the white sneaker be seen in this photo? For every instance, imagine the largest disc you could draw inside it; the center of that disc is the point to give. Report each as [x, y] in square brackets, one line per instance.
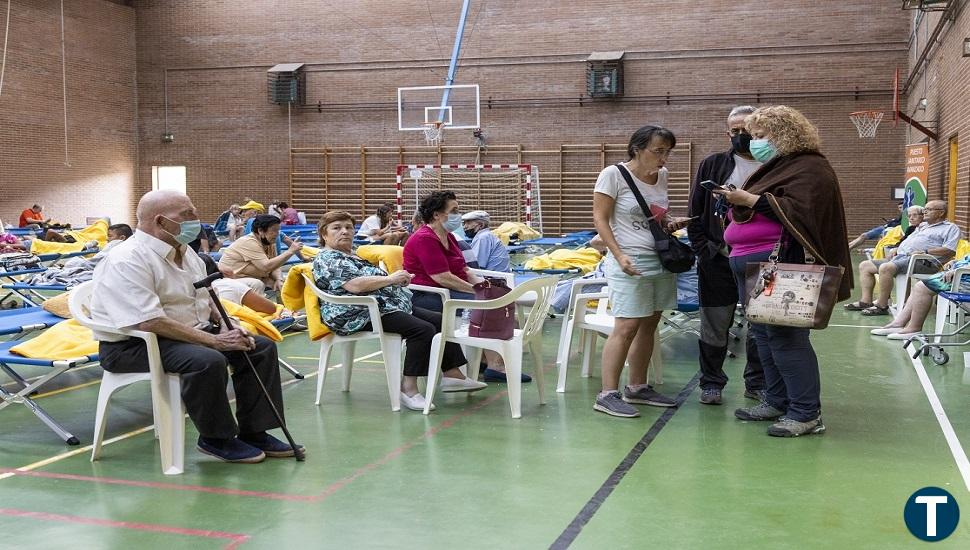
[416, 402]
[885, 331]
[461, 384]
[902, 335]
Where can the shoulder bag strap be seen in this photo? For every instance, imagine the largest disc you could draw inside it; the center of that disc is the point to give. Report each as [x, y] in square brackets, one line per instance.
[655, 229]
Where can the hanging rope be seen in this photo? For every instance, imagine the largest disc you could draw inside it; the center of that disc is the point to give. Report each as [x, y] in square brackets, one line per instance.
[6, 33]
[67, 161]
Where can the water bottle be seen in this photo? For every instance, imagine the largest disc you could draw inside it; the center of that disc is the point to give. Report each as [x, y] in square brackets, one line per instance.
[466, 320]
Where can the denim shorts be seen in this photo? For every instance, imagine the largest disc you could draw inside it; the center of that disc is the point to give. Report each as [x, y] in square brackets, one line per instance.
[637, 296]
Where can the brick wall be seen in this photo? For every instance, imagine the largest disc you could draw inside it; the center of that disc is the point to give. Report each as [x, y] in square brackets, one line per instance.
[101, 138]
[687, 64]
[946, 86]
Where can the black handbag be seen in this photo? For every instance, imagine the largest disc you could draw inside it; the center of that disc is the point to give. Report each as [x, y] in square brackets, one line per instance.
[675, 256]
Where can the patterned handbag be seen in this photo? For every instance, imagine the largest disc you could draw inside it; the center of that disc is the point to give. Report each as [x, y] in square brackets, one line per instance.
[791, 295]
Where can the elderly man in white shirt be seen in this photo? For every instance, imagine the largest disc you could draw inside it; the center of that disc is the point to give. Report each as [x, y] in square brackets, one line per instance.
[146, 284]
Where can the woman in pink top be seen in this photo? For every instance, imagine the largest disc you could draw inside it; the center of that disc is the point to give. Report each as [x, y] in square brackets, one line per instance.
[433, 257]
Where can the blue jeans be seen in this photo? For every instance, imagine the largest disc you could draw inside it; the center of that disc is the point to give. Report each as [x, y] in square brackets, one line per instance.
[790, 365]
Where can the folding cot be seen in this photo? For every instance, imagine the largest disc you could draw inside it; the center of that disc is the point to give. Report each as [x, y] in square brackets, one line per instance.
[19, 323]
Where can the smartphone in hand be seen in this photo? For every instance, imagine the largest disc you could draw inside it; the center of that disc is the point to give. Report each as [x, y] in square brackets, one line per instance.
[710, 185]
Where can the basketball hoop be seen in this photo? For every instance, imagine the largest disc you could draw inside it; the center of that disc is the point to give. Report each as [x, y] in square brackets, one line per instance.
[866, 122]
[433, 132]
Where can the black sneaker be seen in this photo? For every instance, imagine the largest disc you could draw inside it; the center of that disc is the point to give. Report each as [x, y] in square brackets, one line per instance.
[786, 427]
[272, 447]
[613, 405]
[763, 411]
[646, 395]
[230, 450]
[711, 396]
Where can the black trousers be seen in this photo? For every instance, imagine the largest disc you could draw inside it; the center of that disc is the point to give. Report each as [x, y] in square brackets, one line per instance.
[417, 329]
[204, 376]
[718, 293]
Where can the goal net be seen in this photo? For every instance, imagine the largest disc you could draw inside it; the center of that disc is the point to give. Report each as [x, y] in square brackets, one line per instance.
[508, 192]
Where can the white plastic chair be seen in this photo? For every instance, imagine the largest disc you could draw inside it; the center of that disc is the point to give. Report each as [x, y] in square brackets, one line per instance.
[529, 336]
[391, 345]
[591, 323]
[166, 389]
[901, 281]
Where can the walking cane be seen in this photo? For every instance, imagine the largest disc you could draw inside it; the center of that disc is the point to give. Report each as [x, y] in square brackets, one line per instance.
[207, 284]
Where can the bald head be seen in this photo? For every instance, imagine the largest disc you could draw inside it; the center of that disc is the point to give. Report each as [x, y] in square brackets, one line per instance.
[934, 211]
[160, 212]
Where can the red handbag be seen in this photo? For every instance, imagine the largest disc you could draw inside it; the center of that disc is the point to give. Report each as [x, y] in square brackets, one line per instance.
[498, 323]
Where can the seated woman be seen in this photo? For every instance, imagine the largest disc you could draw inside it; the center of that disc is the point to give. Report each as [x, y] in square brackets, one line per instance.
[909, 321]
[339, 272]
[235, 223]
[255, 255]
[237, 291]
[383, 228]
[432, 255]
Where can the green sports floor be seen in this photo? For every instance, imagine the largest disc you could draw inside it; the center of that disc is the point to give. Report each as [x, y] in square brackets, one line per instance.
[469, 476]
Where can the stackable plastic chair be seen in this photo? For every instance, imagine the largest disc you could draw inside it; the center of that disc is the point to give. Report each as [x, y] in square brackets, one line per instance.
[391, 345]
[166, 389]
[528, 337]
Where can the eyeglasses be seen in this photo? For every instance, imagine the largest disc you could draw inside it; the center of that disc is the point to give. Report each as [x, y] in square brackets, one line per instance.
[661, 152]
[936, 209]
[738, 131]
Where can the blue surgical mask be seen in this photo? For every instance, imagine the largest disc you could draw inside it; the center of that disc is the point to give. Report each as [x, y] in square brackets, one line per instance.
[188, 231]
[453, 223]
[762, 150]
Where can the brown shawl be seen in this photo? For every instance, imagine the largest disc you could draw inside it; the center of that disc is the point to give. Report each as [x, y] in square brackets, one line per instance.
[804, 195]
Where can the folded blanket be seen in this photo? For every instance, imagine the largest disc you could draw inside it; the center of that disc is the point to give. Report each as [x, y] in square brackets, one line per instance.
[253, 321]
[297, 296]
[584, 258]
[522, 232]
[65, 340]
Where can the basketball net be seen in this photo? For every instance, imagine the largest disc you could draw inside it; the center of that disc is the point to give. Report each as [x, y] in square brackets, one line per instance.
[433, 132]
[866, 122]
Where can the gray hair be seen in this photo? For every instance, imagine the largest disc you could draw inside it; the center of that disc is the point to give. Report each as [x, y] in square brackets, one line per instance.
[915, 209]
[741, 110]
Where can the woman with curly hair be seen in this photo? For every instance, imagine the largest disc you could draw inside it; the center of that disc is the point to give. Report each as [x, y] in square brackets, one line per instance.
[792, 200]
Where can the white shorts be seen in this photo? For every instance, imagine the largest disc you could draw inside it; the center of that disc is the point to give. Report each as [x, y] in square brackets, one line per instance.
[643, 295]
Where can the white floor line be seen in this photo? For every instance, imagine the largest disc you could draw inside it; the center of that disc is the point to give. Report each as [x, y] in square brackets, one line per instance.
[856, 326]
[959, 455]
[122, 437]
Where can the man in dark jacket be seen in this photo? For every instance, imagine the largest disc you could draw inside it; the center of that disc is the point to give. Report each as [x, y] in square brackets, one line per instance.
[717, 288]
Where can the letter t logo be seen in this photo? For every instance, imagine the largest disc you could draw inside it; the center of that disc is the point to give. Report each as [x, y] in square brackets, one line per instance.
[931, 502]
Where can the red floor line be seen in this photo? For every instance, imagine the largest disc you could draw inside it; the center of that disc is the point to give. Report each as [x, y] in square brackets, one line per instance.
[337, 485]
[331, 489]
[157, 485]
[235, 538]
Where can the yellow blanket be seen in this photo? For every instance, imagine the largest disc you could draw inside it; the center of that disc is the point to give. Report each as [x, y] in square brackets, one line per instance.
[891, 238]
[254, 321]
[297, 296]
[65, 340]
[309, 252]
[391, 255]
[507, 229]
[97, 231]
[584, 258]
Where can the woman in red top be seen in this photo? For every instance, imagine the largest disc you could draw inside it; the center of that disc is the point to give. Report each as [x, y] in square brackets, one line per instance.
[433, 257]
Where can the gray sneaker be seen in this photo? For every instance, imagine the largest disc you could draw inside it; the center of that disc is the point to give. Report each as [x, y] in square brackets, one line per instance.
[763, 411]
[786, 427]
[647, 396]
[711, 396]
[612, 404]
[757, 395]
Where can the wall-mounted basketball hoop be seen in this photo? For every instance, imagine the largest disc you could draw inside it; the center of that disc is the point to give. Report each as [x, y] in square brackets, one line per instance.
[866, 122]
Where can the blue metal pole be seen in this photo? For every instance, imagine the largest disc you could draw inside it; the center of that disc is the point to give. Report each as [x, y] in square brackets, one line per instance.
[453, 66]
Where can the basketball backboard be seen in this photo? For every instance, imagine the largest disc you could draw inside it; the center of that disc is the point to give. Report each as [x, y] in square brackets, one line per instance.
[455, 107]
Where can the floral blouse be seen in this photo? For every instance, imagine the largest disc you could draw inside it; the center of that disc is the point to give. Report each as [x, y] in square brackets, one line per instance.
[331, 269]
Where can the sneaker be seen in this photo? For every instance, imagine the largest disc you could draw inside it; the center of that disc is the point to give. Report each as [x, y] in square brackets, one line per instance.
[461, 384]
[612, 404]
[230, 450]
[757, 395]
[885, 331]
[272, 447]
[415, 402]
[763, 411]
[903, 335]
[647, 396]
[786, 427]
[711, 396]
[492, 375]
